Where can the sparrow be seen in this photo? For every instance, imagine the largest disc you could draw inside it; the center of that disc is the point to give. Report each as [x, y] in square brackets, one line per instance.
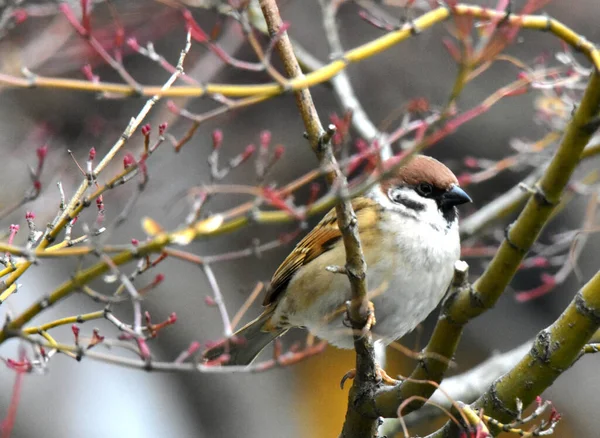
[408, 227]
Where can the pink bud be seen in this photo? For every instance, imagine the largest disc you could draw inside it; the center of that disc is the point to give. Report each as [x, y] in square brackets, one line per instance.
[159, 279]
[128, 160]
[464, 179]
[278, 153]
[222, 359]
[471, 162]
[20, 15]
[540, 262]
[548, 279]
[217, 139]
[194, 346]
[265, 139]
[133, 43]
[162, 128]
[146, 129]
[250, 149]
[41, 152]
[172, 106]
[284, 27]
[88, 73]
[92, 154]
[135, 242]
[209, 301]
[29, 215]
[96, 335]
[172, 318]
[99, 202]
[119, 37]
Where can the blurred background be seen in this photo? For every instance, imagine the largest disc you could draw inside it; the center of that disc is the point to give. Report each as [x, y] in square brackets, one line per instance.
[94, 399]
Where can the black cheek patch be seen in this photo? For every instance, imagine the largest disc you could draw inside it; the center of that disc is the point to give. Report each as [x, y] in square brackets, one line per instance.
[409, 203]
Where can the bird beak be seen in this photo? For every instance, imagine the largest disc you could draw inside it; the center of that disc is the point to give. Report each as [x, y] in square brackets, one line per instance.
[455, 196]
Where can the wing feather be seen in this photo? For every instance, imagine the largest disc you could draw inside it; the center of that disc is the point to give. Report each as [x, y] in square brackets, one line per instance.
[321, 239]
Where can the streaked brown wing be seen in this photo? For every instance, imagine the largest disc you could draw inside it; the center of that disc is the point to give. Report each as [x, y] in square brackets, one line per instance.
[321, 239]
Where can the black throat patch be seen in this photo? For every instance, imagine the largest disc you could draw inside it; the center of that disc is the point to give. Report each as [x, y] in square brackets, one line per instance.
[450, 214]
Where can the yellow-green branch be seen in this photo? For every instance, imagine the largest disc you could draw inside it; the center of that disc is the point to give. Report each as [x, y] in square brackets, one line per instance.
[473, 301]
[324, 74]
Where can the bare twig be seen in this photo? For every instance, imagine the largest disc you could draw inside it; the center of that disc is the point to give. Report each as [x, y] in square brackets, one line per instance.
[343, 88]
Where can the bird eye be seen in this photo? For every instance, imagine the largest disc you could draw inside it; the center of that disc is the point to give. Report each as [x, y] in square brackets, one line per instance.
[424, 189]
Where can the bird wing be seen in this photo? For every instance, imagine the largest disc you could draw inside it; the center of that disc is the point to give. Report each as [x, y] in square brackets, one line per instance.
[320, 239]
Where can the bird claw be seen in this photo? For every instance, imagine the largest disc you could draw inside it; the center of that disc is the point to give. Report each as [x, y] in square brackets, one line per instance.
[349, 375]
[371, 321]
[385, 377]
[381, 376]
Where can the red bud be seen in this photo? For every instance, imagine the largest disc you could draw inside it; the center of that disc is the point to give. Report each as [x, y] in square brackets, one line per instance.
[265, 139]
[128, 160]
[279, 150]
[217, 139]
[41, 152]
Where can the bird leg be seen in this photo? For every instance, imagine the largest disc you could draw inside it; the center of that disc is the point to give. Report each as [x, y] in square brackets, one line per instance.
[381, 374]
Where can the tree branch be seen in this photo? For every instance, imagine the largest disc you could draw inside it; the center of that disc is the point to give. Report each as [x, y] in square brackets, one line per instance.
[343, 88]
[555, 349]
[473, 301]
[356, 425]
[466, 387]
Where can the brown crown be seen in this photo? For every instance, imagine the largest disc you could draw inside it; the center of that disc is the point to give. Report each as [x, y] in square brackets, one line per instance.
[421, 169]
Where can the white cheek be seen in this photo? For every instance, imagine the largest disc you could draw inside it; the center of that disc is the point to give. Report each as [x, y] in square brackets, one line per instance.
[429, 215]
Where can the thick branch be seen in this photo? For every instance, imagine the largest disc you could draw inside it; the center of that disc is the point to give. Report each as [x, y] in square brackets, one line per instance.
[466, 387]
[471, 302]
[555, 349]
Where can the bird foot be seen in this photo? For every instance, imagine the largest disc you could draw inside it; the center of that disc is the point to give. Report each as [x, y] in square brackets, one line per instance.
[371, 321]
[381, 376]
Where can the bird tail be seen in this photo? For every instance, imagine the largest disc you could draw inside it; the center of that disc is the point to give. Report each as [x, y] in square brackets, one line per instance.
[253, 338]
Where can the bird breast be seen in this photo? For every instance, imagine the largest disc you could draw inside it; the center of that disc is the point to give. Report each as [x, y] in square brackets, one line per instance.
[410, 265]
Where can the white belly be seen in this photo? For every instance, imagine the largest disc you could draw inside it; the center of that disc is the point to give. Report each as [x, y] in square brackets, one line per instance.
[416, 265]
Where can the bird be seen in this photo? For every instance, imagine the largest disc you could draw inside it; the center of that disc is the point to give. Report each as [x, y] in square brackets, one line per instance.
[408, 228]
